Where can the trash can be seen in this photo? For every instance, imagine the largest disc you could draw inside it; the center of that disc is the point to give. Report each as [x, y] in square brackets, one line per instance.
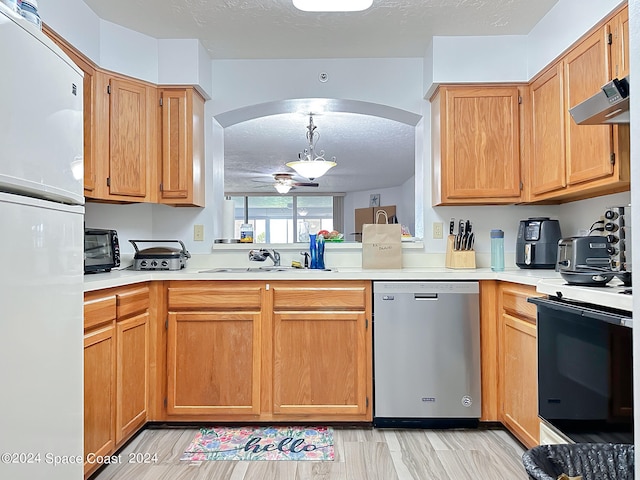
[592, 461]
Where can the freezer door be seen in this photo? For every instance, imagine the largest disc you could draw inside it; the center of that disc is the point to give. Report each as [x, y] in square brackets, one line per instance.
[41, 338]
[41, 119]
[427, 354]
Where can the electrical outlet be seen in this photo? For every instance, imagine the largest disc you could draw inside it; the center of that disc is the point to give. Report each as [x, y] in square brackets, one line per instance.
[437, 229]
[198, 233]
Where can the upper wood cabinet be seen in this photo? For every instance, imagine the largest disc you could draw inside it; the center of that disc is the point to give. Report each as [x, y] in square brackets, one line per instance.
[547, 132]
[126, 147]
[619, 31]
[570, 161]
[182, 146]
[142, 143]
[476, 144]
[588, 147]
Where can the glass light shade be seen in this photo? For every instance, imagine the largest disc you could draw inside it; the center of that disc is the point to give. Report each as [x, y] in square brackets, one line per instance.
[282, 187]
[311, 168]
[332, 5]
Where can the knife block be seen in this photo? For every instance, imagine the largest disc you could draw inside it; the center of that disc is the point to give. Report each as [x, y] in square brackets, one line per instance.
[458, 258]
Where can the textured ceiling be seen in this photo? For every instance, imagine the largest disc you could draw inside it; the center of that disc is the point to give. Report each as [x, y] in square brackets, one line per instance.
[372, 152]
[275, 29]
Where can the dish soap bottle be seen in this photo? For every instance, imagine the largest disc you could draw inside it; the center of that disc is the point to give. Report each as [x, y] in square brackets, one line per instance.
[313, 250]
[320, 248]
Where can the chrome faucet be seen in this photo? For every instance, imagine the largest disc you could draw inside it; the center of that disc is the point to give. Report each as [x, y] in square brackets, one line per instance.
[262, 254]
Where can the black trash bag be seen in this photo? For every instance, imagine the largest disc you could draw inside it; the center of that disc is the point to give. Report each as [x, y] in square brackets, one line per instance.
[594, 461]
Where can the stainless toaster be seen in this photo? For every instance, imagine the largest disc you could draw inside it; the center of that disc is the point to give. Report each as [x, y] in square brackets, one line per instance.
[583, 253]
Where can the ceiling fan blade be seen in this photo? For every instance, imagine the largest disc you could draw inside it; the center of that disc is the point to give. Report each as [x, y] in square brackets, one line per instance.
[306, 184]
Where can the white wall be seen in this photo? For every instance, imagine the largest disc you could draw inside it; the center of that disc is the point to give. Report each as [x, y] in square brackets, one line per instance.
[402, 197]
[565, 23]
[74, 21]
[131, 53]
[395, 82]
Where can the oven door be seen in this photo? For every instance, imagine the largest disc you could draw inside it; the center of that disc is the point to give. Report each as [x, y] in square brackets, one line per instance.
[585, 385]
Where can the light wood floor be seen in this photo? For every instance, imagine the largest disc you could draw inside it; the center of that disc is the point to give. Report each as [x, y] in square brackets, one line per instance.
[360, 454]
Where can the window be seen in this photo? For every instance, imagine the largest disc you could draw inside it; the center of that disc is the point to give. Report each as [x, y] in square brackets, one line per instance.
[287, 218]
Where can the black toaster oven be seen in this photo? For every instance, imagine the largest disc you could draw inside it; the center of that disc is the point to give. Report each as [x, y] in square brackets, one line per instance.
[101, 250]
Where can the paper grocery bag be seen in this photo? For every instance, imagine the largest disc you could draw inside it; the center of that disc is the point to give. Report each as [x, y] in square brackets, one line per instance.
[381, 243]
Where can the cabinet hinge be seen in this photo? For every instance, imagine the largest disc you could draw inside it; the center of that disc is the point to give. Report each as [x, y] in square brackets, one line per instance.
[166, 324]
[160, 101]
[521, 186]
[161, 187]
[367, 402]
[519, 99]
[609, 39]
[612, 158]
[165, 402]
[108, 89]
[366, 323]
[108, 181]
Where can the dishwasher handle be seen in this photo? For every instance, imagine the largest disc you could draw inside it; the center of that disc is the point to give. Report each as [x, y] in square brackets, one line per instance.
[425, 296]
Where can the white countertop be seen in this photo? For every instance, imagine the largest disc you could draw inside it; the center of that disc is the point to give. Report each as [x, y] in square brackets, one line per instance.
[546, 281]
[609, 295]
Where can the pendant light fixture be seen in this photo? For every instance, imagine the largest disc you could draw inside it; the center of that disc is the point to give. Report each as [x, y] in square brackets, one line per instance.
[310, 165]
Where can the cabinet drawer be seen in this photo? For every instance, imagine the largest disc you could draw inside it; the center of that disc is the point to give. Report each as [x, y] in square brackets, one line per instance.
[216, 297]
[514, 301]
[133, 301]
[320, 297]
[99, 310]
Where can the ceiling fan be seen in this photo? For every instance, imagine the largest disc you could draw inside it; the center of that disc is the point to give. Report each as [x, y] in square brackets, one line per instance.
[283, 182]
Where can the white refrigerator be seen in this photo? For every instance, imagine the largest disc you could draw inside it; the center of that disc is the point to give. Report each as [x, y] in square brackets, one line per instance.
[41, 269]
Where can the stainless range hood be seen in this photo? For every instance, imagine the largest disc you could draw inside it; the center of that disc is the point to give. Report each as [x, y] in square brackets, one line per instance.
[609, 106]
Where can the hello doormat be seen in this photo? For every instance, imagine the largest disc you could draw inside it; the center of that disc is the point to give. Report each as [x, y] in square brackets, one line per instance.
[261, 443]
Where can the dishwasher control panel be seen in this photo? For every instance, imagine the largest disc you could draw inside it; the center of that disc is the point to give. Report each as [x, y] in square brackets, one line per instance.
[390, 288]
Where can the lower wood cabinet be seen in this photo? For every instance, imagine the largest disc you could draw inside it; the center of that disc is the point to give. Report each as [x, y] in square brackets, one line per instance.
[99, 393]
[277, 351]
[321, 350]
[132, 346]
[116, 369]
[518, 363]
[213, 362]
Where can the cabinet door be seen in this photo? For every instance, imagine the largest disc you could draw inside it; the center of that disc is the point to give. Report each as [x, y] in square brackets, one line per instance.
[182, 147]
[588, 147]
[619, 29]
[481, 139]
[213, 363]
[99, 393]
[547, 172]
[520, 379]
[176, 129]
[127, 140]
[132, 340]
[320, 364]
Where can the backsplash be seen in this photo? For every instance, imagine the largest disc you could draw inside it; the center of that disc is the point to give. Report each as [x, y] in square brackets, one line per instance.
[144, 221]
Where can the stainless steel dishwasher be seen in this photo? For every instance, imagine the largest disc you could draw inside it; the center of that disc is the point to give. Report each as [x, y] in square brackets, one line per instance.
[426, 354]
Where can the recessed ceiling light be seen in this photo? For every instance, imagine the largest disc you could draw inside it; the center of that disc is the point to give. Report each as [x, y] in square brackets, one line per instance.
[332, 5]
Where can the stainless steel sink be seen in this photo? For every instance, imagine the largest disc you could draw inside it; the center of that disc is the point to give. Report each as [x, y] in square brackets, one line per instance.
[262, 269]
